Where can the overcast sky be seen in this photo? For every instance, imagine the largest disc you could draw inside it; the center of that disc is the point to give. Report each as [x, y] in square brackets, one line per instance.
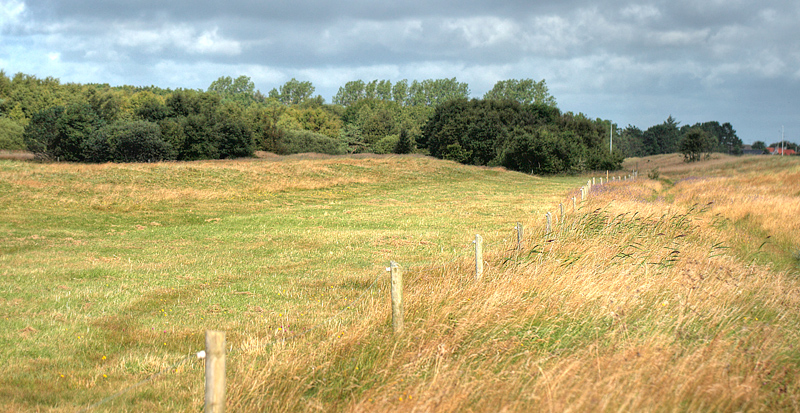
[634, 62]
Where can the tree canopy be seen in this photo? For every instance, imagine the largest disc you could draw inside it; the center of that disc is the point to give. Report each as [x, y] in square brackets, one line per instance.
[516, 124]
[523, 91]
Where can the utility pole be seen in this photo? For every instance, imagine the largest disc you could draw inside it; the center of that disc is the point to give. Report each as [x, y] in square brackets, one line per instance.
[611, 139]
[782, 140]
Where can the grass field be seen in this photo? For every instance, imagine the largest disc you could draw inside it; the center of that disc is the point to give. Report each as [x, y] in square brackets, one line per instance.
[672, 294]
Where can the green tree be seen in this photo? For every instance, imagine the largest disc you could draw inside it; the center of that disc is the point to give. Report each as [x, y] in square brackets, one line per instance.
[759, 146]
[434, 92]
[293, 92]
[629, 142]
[241, 89]
[107, 103]
[663, 138]
[400, 92]
[58, 133]
[350, 93]
[724, 133]
[404, 143]
[383, 90]
[523, 91]
[41, 132]
[695, 143]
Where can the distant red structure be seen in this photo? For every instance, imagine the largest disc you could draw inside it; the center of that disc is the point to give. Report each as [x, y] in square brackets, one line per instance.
[777, 151]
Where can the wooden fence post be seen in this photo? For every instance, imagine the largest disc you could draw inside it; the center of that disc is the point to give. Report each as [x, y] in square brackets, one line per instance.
[215, 371]
[561, 216]
[519, 236]
[397, 297]
[583, 193]
[478, 256]
[549, 227]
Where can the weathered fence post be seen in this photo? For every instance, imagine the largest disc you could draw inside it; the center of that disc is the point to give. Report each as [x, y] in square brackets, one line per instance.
[478, 256]
[397, 297]
[583, 193]
[594, 181]
[561, 216]
[215, 371]
[549, 227]
[519, 236]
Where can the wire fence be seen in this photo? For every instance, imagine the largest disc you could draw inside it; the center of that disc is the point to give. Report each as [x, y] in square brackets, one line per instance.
[419, 269]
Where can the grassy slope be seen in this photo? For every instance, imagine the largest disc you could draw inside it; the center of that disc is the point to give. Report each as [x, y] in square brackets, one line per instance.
[654, 295]
[111, 272]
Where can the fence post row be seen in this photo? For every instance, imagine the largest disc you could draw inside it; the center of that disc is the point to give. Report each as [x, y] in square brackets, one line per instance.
[397, 297]
[478, 256]
[215, 371]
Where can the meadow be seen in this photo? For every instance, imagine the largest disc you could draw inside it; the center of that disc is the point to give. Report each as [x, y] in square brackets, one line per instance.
[673, 294]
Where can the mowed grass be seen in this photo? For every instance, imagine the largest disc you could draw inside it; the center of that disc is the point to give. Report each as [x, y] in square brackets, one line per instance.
[111, 273]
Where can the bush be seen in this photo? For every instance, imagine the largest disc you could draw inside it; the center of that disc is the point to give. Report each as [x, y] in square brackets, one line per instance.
[60, 133]
[540, 152]
[404, 143]
[11, 135]
[386, 145]
[302, 141]
[235, 139]
[136, 141]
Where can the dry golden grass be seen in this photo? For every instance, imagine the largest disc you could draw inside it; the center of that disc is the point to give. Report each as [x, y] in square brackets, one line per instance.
[652, 296]
[632, 304]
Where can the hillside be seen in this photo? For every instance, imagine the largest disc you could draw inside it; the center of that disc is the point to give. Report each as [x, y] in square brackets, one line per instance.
[671, 294]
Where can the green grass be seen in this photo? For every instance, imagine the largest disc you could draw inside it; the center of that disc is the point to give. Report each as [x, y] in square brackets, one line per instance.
[110, 273]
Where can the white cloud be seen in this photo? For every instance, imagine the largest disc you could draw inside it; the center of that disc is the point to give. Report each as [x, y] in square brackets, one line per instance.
[180, 36]
[211, 42]
[640, 12]
[484, 31]
[681, 38]
[11, 12]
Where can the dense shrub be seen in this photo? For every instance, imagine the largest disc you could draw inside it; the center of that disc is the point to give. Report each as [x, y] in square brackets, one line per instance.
[405, 144]
[11, 135]
[301, 141]
[543, 152]
[386, 145]
[533, 138]
[136, 141]
[234, 138]
[59, 132]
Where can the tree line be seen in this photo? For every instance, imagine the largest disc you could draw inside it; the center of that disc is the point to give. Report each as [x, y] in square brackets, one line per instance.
[516, 124]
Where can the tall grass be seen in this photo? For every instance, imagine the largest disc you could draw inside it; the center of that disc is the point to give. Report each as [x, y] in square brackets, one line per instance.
[632, 304]
[651, 296]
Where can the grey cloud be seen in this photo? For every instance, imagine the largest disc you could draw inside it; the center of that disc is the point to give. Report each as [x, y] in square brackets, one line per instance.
[619, 59]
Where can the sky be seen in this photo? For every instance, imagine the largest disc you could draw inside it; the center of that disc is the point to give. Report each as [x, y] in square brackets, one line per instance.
[634, 62]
